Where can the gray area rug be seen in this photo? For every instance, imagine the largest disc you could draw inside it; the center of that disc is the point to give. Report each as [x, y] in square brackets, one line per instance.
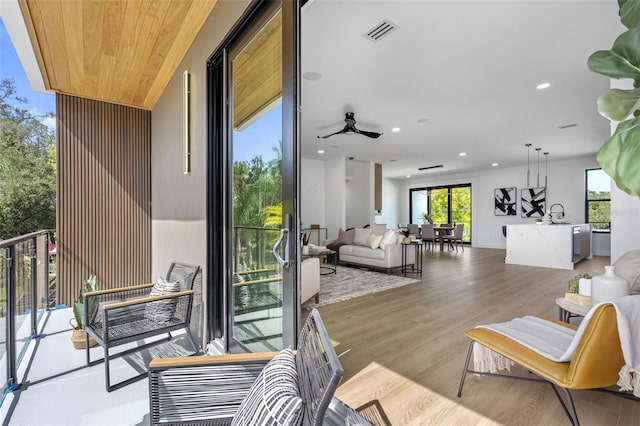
[348, 283]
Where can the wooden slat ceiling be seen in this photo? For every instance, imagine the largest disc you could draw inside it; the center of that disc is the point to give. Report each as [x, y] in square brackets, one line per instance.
[118, 51]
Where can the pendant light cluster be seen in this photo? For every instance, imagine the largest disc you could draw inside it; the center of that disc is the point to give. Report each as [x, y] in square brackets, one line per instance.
[546, 158]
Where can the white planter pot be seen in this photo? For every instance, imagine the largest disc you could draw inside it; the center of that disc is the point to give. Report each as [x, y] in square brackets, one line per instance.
[609, 286]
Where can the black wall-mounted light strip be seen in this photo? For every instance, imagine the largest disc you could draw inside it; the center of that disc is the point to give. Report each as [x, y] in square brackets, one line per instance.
[431, 167]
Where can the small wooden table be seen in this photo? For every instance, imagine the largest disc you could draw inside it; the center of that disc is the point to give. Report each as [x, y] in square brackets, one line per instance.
[441, 231]
[568, 309]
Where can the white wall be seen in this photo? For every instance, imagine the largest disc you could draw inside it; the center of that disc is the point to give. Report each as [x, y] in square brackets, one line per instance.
[566, 185]
[335, 196]
[312, 193]
[390, 205]
[359, 193]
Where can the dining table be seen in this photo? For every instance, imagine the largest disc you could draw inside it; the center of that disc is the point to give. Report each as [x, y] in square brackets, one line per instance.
[442, 231]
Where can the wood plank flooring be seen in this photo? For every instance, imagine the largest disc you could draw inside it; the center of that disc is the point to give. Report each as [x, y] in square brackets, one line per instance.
[405, 347]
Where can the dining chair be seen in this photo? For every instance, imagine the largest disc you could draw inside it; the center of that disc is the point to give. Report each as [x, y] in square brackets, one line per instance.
[428, 235]
[453, 239]
[414, 230]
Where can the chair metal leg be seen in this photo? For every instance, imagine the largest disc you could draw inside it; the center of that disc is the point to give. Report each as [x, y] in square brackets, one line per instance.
[568, 407]
[465, 369]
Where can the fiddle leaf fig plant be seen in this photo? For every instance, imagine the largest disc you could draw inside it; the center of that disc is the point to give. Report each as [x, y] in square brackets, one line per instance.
[619, 156]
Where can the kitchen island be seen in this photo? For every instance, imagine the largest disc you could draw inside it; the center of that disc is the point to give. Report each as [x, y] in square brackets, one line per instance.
[558, 246]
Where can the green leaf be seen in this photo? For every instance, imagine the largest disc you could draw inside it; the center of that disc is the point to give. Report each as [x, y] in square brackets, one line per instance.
[629, 13]
[618, 104]
[619, 157]
[78, 314]
[622, 61]
[612, 65]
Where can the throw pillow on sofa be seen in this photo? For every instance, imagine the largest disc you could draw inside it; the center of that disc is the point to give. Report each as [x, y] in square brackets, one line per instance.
[346, 237]
[389, 237]
[361, 236]
[374, 241]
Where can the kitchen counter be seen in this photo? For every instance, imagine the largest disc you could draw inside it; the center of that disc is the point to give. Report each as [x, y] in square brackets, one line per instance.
[558, 246]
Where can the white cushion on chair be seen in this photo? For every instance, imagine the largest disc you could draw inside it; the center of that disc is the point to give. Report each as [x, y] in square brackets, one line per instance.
[309, 278]
[274, 398]
[162, 311]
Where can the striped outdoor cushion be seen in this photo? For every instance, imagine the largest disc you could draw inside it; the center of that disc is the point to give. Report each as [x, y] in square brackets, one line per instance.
[273, 398]
[162, 311]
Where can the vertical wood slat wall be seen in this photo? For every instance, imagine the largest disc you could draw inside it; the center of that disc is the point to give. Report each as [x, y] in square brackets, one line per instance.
[104, 195]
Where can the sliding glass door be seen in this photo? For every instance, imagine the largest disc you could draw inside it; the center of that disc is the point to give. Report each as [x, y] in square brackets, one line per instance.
[449, 204]
[253, 162]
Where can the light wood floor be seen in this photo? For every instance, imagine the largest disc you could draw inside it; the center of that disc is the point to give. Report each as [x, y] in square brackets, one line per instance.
[405, 347]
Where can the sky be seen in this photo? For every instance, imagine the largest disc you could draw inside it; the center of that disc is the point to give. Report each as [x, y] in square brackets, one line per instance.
[10, 67]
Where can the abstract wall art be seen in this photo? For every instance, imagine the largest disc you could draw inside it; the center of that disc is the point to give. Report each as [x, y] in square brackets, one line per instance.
[533, 202]
[505, 201]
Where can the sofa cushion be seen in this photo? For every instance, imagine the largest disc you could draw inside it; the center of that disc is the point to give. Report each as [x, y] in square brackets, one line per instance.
[628, 267]
[361, 236]
[346, 237]
[389, 237]
[367, 253]
[378, 228]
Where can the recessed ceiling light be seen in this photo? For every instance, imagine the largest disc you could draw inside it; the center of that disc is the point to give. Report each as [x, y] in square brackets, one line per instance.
[312, 76]
[462, 154]
[543, 86]
[321, 151]
[395, 129]
[494, 164]
[408, 176]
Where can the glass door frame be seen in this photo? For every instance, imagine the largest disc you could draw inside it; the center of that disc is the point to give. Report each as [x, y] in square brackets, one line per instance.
[448, 188]
[220, 171]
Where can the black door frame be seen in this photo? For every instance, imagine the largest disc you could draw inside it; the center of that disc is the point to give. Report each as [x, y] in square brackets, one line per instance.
[219, 169]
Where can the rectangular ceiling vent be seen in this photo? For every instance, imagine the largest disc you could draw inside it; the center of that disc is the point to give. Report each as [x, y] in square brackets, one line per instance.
[568, 126]
[380, 31]
[431, 167]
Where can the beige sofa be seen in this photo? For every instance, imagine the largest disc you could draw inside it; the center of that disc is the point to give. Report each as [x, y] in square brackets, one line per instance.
[362, 250]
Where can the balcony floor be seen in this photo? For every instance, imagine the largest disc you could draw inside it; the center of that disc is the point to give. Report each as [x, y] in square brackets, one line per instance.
[58, 388]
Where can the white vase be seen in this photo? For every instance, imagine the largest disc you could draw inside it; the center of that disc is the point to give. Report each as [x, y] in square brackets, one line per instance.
[305, 250]
[609, 286]
[584, 286]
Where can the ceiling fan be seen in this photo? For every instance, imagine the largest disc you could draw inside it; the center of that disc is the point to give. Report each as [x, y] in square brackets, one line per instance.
[350, 127]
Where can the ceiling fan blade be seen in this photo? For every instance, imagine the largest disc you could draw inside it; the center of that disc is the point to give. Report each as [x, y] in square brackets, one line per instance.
[373, 135]
[344, 130]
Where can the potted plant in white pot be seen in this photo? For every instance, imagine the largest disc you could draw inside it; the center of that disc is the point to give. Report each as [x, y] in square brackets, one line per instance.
[78, 336]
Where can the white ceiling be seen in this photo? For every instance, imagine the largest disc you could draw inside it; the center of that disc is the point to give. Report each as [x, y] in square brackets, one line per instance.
[469, 67]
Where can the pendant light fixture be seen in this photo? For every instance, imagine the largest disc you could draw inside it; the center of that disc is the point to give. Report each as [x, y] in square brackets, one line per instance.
[546, 158]
[528, 145]
[538, 176]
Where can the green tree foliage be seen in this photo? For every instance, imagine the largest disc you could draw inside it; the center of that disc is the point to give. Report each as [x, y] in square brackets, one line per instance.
[27, 168]
[460, 207]
[257, 190]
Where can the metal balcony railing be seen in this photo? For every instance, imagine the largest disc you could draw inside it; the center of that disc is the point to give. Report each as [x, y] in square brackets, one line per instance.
[24, 297]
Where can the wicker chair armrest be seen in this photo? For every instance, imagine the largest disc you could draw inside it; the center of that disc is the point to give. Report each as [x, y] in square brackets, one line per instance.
[144, 300]
[204, 360]
[118, 290]
[201, 389]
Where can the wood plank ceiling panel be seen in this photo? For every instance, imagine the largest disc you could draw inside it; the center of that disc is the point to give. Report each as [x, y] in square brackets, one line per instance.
[118, 51]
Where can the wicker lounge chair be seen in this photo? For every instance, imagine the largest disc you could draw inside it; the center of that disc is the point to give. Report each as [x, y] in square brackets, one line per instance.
[129, 314]
[208, 390]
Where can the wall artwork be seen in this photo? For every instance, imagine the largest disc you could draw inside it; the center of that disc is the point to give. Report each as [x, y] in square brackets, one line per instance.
[505, 201]
[533, 202]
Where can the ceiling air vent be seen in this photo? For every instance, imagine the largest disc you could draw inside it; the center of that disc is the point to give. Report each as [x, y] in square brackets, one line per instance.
[431, 167]
[568, 126]
[380, 31]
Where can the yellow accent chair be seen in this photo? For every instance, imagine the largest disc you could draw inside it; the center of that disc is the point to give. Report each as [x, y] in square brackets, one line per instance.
[595, 364]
